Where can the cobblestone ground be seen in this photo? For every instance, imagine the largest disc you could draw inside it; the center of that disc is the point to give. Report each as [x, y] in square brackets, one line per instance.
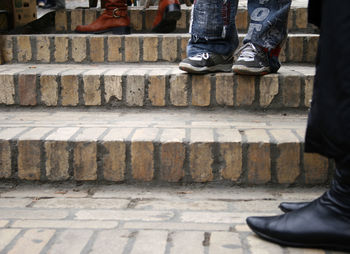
[124, 219]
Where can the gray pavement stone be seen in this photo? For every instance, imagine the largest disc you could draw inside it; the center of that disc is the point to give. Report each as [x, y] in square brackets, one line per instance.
[139, 219]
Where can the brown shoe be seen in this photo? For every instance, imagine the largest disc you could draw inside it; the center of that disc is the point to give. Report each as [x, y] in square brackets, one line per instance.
[169, 12]
[114, 19]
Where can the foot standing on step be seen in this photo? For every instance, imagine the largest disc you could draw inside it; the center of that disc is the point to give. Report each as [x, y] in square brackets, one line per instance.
[214, 37]
[324, 222]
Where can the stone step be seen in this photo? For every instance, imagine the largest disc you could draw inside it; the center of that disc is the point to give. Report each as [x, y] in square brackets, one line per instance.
[134, 48]
[151, 86]
[142, 20]
[181, 146]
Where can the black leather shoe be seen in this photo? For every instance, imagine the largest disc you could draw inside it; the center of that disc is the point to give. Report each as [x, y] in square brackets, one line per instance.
[292, 206]
[317, 225]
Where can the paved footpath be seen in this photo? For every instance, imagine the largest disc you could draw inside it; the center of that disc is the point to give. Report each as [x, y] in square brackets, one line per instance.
[90, 218]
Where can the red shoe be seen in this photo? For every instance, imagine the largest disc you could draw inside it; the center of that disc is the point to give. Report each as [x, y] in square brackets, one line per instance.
[169, 12]
[114, 19]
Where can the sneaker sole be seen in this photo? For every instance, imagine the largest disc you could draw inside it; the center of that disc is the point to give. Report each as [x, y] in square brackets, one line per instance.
[244, 70]
[197, 70]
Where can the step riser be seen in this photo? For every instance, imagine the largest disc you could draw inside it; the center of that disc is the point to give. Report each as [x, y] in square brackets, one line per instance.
[149, 161]
[142, 21]
[170, 88]
[141, 48]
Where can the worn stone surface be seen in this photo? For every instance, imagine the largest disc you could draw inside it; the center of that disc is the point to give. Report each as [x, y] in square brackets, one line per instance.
[97, 49]
[49, 90]
[201, 89]
[169, 48]
[57, 160]
[224, 89]
[150, 49]
[268, 87]
[245, 90]
[70, 90]
[132, 49]
[85, 163]
[5, 159]
[156, 90]
[29, 159]
[24, 53]
[43, 49]
[142, 163]
[27, 90]
[92, 90]
[178, 90]
[113, 87]
[79, 49]
[114, 49]
[114, 161]
[7, 87]
[61, 49]
[135, 90]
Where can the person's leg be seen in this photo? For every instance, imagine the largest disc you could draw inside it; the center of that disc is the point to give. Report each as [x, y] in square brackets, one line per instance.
[213, 36]
[266, 35]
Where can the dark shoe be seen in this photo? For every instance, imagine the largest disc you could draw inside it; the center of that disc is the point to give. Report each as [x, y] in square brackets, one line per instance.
[292, 206]
[323, 223]
[169, 12]
[207, 62]
[114, 19]
[252, 60]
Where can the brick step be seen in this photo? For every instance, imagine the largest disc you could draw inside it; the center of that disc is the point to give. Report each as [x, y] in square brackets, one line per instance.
[135, 48]
[184, 146]
[142, 20]
[151, 86]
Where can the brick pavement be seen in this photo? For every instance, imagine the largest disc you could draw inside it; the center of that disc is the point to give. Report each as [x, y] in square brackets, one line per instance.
[88, 218]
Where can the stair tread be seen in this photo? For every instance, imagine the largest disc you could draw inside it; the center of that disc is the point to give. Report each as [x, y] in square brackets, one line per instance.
[163, 68]
[156, 125]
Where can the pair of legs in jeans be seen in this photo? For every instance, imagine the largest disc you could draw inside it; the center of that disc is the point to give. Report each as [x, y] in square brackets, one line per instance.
[214, 37]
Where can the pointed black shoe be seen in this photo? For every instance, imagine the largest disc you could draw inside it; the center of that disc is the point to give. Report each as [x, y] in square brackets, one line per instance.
[323, 223]
[287, 207]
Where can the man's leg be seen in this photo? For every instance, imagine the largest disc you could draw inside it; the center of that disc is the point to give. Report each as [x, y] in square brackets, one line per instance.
[213, 37]
[266, 35]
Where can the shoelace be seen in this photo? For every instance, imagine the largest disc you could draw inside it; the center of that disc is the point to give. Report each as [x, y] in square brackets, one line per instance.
[200, 56]
[248, 50]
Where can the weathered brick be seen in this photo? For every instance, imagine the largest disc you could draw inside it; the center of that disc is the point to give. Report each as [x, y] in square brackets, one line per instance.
[182, 22]
[7, 88]
[92, 88]
[27, 89]
[90, 16]
[110, 241]
[181, 238]
[97, 49]
[231, 153]
[43, 49]
[169, 48]
[114, 49]
[150, 49]
[6, 236]
[57, 153]
[57, 157]
[242, 19]
[85, 157]
[24, 49]
[5, 159]
[76, 17]
[114, 164]
[150, 241]
[245, 90]
[219, 242]
[258, 157]
[132, 48]
[268, 89]
[183, 49]
[201, 157]
[178, 90]
[33, 240]
[95, 224]
[135, 90]
[316, 168]
[6, 48]
[113, 85]
[201, 89]
[172, 155]
[295, 48]
[136, 19]
[81, 238]
[309, 85]
[311, 48]
[29, 159]
[142, 150]
[49, 89]
[288, 158]
[79, 49]
[70, 88]
[291, 89]
[156, 90]
[149, 18]
[61, 49]
[61, 20]
[224, 89]
[301, 18]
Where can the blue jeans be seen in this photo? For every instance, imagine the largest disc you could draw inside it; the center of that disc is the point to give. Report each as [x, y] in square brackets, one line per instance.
[213, 27]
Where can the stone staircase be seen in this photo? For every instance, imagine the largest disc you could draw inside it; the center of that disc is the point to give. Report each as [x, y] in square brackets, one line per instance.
[117, 108]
